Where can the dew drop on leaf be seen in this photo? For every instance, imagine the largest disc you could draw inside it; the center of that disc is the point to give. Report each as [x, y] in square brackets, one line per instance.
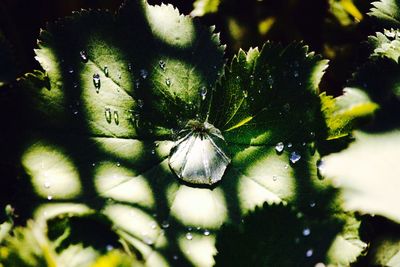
[161, 63]
[118, 164]
[148, 240]
[306, 231]
[245, 93]
[206, 232]
[274, 178]
[309, 253]
[320, 264]
[189, 236]
[168, 82]
[143, 73]
[116, 117]
[96, 82]
[130, 68]
[49, 197]
[203, 92]
[106, 73]
[165, 224]
[294, 157]
[109, 247]
[140, 103]
[83, 56]
[175, 257]
[107, 114]
[289, 145]
[199, 156]
[279, 147]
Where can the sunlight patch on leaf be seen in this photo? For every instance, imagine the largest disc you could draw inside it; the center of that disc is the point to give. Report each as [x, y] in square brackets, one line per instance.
[122, 184]
[53, 174]
[199, 207]
[199, 249]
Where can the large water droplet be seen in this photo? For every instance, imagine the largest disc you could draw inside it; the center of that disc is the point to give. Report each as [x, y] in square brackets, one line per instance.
[206, 232]
[279, 147]
[294, 157]
[96, 82]
[107, 114]
[116, 117]
[189, 236]
[168, 82]
[199, 155]
[49, 197]
[309, 253]
[143, 73]
[106, 71]
[83, 56]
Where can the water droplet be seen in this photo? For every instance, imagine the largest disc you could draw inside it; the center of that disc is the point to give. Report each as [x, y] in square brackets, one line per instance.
[279, 147]
[46, 184]
[299, 215]
[189, 236]
[294, 157]
[274, 178]
[116, 117]
[286, 166]
[70, 70]
[168, 82]
[309, 253]
[118, 164]
[148, 240]
[161, 64]
[203, 92]
[206, 232]
[49, 197]
[153, 225]
[165, 224]
[190, 229]
[245, 93]
[312, 204]
[106, 71]
[306, 231]
[289, 145]
[286, 107]
[320, 264]
[143, 74]
[270, 81]
[109, 247]
[296, 74]
[175, 257]
[153, 151]
[107, 114]
[312, 135]
[93, 164]
[96, 82]
[119, 75]
[130, 68]
[140, 103]
[83, 56]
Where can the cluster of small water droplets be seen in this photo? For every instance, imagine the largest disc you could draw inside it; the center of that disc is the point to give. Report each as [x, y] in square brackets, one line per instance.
[96, 82]
[189, 236]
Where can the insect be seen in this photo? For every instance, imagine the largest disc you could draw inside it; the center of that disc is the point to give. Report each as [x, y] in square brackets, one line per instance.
[199, 156]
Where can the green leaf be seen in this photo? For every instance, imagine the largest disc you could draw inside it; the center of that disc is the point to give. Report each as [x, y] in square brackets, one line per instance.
[341, 112]
[270, 96]
[204, 7]
[306, 241]
[345, 11]
[386, 44]
[102, 119]
[367, 173]
[387, 12]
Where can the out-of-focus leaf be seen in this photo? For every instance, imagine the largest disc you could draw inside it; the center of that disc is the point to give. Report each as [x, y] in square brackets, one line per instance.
[203, 7]
[387, 12]
[342, 111]
[345, 11]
